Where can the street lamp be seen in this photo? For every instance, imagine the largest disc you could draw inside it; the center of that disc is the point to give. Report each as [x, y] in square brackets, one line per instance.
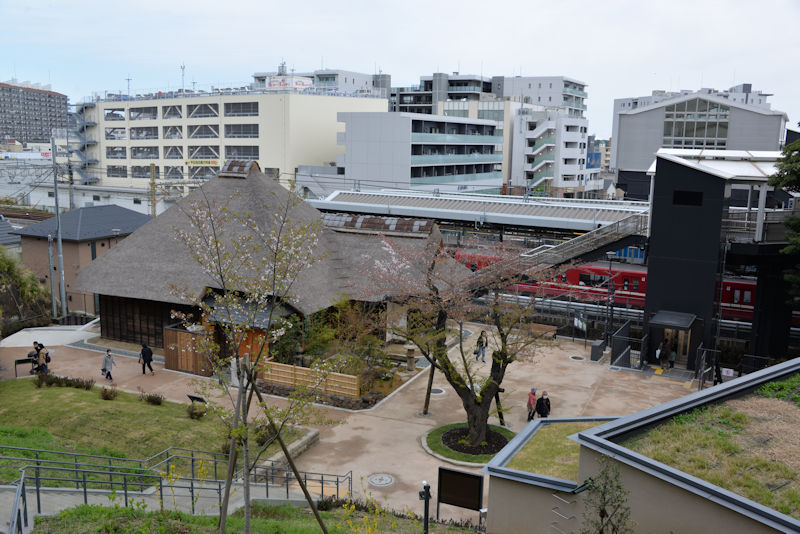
[425, 495]
[610, 302]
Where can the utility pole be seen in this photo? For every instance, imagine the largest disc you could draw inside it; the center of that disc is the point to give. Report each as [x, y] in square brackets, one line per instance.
[183, 85]
[62, 288]
[71, 189]
[129, 85]
[153, 189]
[52, 273]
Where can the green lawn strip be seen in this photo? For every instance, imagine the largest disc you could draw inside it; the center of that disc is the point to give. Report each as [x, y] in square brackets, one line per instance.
[265, 519]
[712, 444]
[788, 389]
[434, 441]
[76, 420]
[550, 453]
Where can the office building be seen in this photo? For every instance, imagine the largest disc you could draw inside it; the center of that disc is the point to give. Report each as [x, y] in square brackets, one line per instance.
[690, 120]
[327, 81]
[30, 112]
[187, 136]
[420, 151]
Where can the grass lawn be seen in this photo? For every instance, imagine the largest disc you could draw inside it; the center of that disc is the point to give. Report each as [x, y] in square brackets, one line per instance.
[76, 420]
[434, 441]
[266, 519]
[550, 453]
[748, 446]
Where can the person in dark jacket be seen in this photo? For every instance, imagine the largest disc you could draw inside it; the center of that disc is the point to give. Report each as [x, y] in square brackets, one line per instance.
[543, 405]
[145, 358]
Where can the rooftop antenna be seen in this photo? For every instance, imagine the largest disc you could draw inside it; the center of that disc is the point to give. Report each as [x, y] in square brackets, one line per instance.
[183, 70]
[129, 84]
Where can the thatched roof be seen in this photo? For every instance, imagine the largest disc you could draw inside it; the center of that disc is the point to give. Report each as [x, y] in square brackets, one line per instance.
[153, 260]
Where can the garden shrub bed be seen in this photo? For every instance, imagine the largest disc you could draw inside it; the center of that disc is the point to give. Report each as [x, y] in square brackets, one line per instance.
[366, 401]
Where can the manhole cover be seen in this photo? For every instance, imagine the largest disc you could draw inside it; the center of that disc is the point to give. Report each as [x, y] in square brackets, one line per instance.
[437, 391]
[578, 358]
[380, 479]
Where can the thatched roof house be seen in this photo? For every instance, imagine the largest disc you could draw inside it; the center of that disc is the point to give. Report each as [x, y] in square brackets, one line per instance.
[136, 279]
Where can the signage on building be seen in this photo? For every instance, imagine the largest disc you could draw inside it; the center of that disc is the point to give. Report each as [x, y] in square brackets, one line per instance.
[288, 82]
[202, 163]
[594, 160]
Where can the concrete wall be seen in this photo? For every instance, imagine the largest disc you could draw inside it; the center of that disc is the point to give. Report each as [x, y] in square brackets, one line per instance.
[749, 130]
[658, 506]
[76, 255]
[515, 507]
[638, 139]
[378, 149]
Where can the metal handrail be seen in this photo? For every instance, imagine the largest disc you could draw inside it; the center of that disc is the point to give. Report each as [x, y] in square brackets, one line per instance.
[19, 516]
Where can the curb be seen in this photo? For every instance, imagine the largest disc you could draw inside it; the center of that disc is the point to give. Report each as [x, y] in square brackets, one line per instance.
[297, 447]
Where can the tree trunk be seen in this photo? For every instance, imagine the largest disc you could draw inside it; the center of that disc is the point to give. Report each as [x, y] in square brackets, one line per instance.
[428, 391]
[477, 417]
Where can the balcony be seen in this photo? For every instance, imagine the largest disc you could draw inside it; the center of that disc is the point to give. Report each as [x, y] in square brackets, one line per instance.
[456, 139]
[464, 89]
[541, 143]
[451, 178]
[575, 92]
[573, 104]
[445, 159]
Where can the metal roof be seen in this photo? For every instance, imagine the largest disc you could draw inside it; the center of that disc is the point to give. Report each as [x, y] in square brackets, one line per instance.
[94, 222]
[737, 165]
[567, 214]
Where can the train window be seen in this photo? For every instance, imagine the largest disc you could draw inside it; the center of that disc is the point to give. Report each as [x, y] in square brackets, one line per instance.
[747, 297]
[625, 284]
[736, 296]
[635, 284]
[587, 279]
[564, 277]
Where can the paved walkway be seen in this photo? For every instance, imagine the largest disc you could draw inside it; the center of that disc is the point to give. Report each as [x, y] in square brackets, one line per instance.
[386, 439]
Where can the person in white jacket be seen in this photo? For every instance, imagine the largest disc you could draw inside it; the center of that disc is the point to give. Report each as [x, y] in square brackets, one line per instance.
[108, 362]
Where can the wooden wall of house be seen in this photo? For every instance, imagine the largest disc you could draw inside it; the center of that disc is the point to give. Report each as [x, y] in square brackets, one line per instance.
[136, 320]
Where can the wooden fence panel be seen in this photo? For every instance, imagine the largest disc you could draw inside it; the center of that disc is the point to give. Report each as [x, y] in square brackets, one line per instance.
[292, 376]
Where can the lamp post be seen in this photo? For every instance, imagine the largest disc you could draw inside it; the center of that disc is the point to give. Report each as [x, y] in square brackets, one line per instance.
[425, 495]
[610, 302]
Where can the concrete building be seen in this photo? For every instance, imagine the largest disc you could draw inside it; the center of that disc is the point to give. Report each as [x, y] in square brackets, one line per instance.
[550, 155]
[692, 120]
[29, 112]
[418, 151]
[549, 91]
[87, 233]
[188, 136]
[330, 81]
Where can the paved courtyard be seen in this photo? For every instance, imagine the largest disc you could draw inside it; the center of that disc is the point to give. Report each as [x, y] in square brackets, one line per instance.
[386, 439]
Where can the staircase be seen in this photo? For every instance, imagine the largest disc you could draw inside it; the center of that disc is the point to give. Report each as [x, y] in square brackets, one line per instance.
[542, 258]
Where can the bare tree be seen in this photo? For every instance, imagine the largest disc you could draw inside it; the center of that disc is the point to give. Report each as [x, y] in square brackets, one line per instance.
[252, 269]
[437, 292]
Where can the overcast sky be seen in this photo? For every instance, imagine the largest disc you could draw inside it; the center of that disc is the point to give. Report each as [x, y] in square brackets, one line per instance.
[619, 48]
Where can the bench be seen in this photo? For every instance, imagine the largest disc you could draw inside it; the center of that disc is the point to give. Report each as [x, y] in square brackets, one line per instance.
[19, 361]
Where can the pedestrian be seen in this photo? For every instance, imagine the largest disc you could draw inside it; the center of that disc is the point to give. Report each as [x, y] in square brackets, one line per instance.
[532, 404]
[543, 405]
[480, 347]
[42, 359]
[145, 357]
[663, 353]
[33, 355]
[108, 362]
[673, 355]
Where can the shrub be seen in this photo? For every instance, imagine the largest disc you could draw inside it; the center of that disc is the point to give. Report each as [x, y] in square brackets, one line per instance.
[50, 380]
[197, 410]
[151, 398]
[108, 393]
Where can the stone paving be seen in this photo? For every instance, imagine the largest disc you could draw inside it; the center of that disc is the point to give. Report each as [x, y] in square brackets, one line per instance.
[386, 439]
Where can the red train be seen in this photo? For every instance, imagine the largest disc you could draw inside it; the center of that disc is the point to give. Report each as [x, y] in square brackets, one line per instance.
[589, 282]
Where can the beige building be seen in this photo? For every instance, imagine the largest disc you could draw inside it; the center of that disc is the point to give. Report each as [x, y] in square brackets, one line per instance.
[187, 137]
[87, 234]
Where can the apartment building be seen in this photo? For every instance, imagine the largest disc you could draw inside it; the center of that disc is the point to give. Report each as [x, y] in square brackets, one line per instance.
[550, 91]
[29, 112]
[550, 155]
[421, 151]
[691, 120]
[332, 81]
[188, 136]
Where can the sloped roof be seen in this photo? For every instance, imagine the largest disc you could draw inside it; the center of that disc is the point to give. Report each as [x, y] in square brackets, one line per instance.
[737, 165]
[94, 222]
[703, 96]
[8, 235]
[153, 260]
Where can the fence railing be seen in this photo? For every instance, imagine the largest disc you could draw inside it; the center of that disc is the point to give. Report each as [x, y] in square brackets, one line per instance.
[19, 508]
[329, 383]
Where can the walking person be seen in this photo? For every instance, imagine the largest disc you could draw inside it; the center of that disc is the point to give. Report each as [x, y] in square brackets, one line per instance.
[663, 353]
[145, 358]
[532, 404]
[543, 406]
[480, 347]
[108, 362]
[42, 359]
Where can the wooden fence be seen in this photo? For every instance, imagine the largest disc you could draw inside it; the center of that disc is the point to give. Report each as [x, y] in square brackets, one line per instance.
[292, 375]
[180, 352]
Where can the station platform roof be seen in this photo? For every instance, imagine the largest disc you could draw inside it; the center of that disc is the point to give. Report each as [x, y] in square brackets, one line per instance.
[538, 212]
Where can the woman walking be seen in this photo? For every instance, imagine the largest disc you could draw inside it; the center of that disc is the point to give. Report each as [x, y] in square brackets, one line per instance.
[480, 346]
[532, 404]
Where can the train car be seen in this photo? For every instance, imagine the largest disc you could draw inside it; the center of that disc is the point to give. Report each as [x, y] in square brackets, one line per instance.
[589, 282]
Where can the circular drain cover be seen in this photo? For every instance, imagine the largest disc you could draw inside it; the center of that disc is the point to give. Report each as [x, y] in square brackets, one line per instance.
[380, 479]
[578, 358]
[437, 391]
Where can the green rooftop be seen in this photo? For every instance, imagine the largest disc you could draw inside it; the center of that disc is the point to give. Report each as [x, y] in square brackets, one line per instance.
[549, 452]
